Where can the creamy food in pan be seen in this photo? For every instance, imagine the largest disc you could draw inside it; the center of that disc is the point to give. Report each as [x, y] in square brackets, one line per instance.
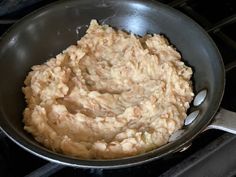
[111, 95]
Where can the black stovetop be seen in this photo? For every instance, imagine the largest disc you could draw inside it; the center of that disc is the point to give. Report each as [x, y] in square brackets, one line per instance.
[212, 153]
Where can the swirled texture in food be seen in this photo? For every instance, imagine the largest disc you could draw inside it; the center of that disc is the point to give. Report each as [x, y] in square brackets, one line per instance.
[111, 95]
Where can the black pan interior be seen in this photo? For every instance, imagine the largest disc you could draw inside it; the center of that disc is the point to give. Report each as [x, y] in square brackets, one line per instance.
[50, 30]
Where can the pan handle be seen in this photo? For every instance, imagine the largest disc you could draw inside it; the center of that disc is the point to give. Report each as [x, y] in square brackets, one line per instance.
[224, 120]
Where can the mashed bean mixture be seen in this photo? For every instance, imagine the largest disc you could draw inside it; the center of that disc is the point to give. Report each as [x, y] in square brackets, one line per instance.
[112, 95]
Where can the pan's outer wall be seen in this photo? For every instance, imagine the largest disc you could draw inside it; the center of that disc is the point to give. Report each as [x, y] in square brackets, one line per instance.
[50, 30]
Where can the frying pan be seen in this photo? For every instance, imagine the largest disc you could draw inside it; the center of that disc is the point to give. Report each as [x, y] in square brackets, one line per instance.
[48, 31]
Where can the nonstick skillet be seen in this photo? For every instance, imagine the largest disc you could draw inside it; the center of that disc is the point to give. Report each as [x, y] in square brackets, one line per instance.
[46, 32]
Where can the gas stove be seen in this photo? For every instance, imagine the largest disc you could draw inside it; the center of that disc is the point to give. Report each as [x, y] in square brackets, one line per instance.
[212, 153]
